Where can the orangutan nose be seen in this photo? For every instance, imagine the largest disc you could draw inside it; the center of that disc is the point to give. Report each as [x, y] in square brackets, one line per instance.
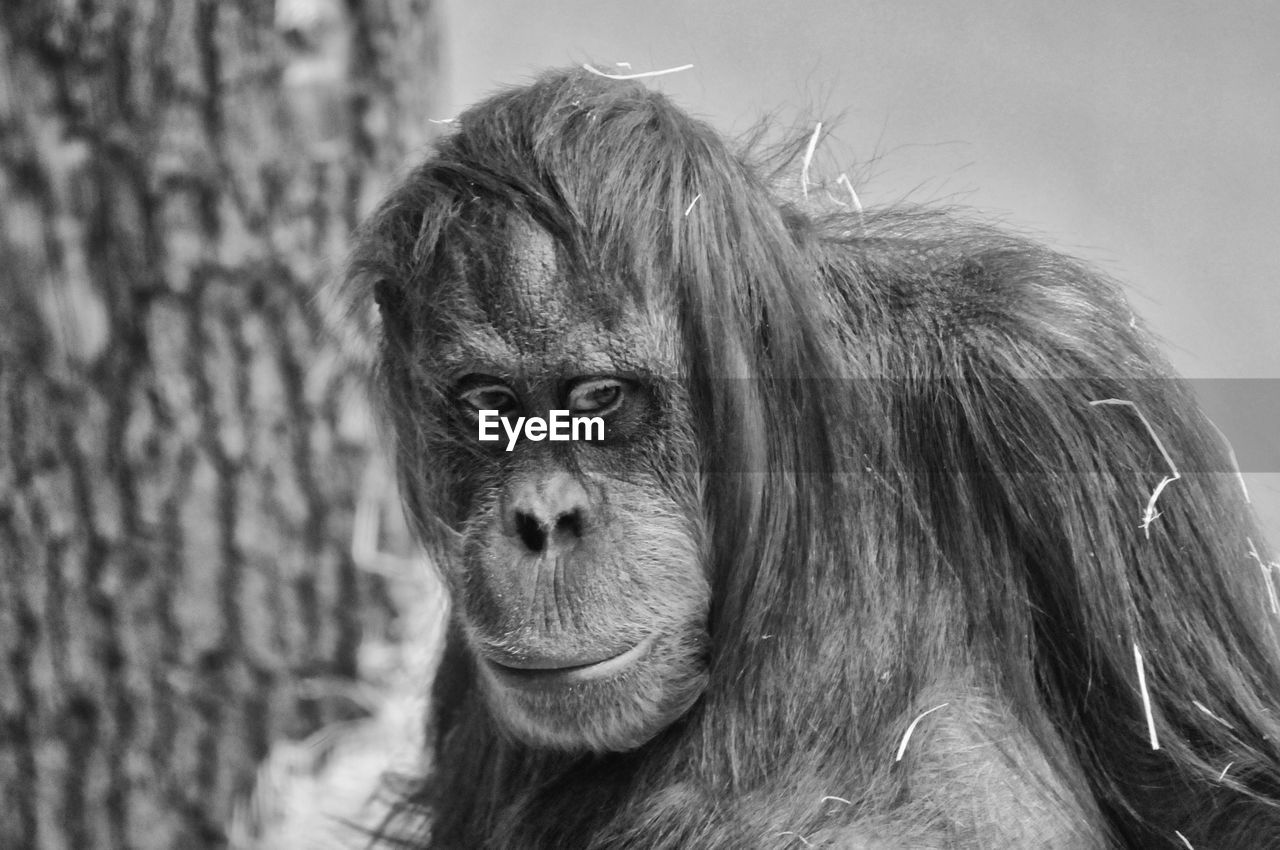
[547, 514]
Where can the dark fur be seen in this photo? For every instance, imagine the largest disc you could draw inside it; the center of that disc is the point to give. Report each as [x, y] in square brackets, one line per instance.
[893, 484]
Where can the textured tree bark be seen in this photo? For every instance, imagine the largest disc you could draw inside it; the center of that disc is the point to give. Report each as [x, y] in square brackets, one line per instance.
[181, 438]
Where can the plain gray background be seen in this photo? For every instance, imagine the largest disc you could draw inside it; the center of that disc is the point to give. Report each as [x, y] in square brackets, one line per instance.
[1142, 136]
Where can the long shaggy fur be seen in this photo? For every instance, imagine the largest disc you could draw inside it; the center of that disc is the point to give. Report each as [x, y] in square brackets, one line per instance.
[909, 501]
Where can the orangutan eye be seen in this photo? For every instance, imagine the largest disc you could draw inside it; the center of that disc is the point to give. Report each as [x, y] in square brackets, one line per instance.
[489, 396]
[597, 396]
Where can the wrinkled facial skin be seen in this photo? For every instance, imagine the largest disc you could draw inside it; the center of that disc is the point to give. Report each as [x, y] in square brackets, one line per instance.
[578, 574]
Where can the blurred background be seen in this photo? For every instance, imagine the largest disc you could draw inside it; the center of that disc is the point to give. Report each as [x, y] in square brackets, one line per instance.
[215, 631]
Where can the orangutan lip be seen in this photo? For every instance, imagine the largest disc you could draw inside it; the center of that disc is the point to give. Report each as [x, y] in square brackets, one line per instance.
[547, 676]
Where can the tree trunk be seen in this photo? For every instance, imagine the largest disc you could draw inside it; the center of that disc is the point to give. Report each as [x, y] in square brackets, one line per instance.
[181, 440]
